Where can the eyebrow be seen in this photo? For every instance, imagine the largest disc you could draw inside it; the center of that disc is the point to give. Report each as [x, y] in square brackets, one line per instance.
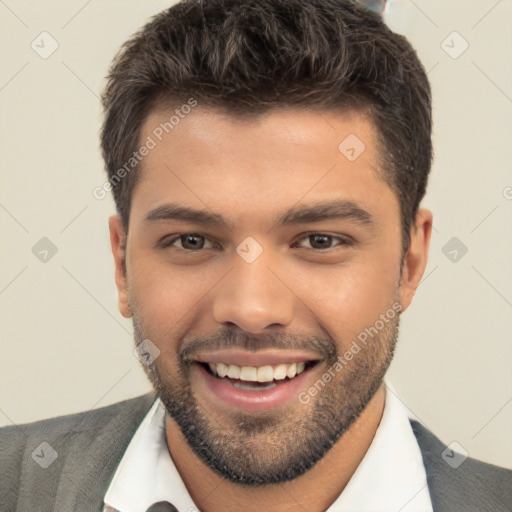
[336, 209]
[316, 212]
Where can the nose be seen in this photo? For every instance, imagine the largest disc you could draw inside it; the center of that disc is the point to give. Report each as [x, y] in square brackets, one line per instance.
[254, 296]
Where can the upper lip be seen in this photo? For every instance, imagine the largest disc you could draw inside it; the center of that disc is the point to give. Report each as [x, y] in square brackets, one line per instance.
[244, 358]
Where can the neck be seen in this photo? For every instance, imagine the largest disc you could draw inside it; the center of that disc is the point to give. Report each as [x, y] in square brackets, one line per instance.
[314, 491]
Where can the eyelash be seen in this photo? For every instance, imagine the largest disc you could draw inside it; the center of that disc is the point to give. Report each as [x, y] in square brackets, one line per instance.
[168, 242]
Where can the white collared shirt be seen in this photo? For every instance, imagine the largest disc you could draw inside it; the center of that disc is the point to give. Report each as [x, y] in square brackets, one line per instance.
[390, 478]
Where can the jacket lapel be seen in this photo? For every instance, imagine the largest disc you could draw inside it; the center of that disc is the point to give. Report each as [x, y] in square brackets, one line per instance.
[454, 490]
[90, 447]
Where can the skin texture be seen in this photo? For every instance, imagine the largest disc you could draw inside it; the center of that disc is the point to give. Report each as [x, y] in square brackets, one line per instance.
[302, 293]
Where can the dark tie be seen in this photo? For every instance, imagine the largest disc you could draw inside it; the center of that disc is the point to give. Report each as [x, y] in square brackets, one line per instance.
[162, 506]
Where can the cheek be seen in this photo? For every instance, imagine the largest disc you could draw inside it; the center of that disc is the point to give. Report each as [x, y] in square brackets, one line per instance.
[350, 299]
[163, 297]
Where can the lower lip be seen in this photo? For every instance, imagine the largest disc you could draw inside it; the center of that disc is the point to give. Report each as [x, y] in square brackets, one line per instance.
[252, 400]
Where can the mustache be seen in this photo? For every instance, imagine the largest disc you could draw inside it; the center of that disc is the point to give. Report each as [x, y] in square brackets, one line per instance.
[191, 346]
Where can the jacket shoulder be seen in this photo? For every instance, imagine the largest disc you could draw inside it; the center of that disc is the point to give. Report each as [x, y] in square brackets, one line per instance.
[77, 422]
[41, 441]
[464, 483]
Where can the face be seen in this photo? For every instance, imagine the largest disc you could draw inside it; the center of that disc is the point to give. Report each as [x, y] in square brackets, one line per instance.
[264, 265]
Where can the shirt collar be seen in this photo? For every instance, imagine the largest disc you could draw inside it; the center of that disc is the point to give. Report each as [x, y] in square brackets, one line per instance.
[146, 473]
[390, 477]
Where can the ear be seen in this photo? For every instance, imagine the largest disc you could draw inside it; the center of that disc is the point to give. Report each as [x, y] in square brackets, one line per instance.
[415, 261]
[118, 243]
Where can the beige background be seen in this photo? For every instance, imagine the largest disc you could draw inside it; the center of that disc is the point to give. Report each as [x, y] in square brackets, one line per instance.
[65, 347]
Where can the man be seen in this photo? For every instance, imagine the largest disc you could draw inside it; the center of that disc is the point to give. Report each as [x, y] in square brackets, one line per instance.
[267, 159]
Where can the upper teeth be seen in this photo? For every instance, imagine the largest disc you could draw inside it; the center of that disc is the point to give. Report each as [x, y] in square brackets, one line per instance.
[265, 373]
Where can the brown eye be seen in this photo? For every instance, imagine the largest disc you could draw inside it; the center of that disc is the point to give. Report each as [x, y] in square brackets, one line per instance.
[191, 242]
[322, 241]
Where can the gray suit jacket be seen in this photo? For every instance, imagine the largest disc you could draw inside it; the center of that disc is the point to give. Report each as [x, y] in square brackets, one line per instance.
[88, 447]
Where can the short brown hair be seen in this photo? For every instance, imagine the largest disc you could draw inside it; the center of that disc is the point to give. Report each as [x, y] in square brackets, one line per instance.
[247, 57]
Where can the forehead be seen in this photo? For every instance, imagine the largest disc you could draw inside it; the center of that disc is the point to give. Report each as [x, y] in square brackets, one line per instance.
[256, 166]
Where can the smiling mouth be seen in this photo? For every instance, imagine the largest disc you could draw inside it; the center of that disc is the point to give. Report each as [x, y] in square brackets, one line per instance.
[257, 378]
